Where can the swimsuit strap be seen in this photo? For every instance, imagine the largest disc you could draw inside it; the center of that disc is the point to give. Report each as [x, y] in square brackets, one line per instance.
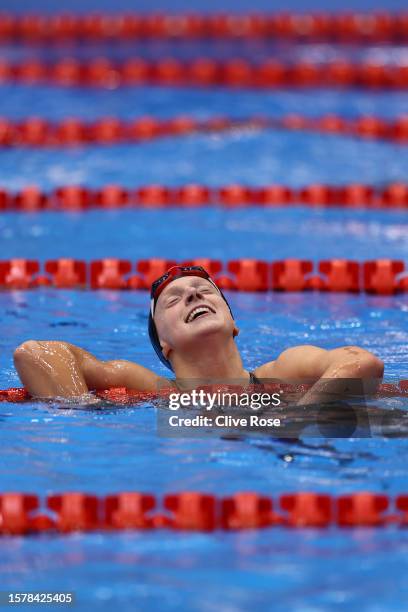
[254, 380]
[173, 382]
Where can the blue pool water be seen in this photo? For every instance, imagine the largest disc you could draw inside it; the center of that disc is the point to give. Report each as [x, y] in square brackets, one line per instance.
[49, 448]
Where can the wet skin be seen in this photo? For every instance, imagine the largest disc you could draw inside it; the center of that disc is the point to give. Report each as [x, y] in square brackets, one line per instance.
[196, 333]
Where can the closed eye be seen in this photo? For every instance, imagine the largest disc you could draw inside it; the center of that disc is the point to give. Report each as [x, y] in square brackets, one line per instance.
[173, 300]
[205, 289]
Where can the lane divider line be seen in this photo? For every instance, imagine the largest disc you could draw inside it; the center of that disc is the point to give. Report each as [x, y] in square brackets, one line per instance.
[338, 28]
[377, 277]
[23, 514]
[77, 198]
[235, 73]
[124, 396]
[35, 132]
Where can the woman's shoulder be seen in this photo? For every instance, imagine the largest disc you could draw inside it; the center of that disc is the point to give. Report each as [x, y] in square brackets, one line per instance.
[266, 370]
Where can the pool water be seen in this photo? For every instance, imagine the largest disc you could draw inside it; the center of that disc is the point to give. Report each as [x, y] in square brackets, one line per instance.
[49, 447]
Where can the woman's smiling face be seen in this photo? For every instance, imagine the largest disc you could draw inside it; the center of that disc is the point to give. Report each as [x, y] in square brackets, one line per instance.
[189, 308]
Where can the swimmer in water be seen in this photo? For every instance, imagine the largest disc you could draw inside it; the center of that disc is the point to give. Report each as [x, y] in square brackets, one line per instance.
[192, 330]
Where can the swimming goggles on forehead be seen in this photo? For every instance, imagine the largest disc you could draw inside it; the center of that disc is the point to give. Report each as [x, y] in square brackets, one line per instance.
[176, 272]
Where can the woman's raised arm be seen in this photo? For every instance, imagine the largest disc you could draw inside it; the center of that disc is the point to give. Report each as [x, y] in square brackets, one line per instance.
[59, 369]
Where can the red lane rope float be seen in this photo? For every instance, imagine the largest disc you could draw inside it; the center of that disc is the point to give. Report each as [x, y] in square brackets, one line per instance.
[24, 513]
[348, 27]
[207, 72]
[73, 132]
[377, 277]
[123, 396]
[77, 198]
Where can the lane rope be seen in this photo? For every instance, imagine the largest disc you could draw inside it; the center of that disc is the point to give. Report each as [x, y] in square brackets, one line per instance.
[125, 396]
[77, 198]
[338, 28]
[37, 132]
[206, 72]
[377, 277]
[24, 513]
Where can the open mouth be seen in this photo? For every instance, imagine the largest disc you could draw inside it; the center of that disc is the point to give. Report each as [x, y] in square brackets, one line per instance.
[197, 312]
